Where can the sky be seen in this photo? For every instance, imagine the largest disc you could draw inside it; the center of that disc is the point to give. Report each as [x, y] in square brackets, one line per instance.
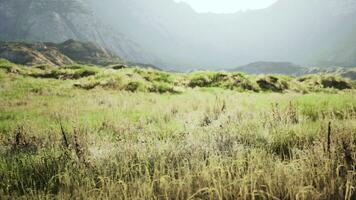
[227, 6]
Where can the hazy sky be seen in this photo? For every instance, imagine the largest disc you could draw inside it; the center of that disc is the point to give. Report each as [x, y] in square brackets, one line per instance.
[227, 6]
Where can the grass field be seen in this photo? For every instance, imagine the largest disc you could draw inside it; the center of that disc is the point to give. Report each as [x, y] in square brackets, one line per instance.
[89, 133]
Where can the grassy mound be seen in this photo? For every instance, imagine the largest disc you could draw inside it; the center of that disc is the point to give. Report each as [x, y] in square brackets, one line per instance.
[325, 81]
[133, 79]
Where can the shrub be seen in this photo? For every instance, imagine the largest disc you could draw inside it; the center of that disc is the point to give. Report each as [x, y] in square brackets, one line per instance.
[65, 74]
[154, 76]
[75, 66]
[243, 83]
[44, 67]
[119, 66]
[163, 88]
[8, 66]
[112, 83]
[201, 80]
[85, 72]
[220, 77]
[87, 85]
[332, 82]
[134, 86]
[272, 83]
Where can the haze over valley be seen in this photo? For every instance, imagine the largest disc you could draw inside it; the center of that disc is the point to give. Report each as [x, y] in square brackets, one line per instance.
[173, 36]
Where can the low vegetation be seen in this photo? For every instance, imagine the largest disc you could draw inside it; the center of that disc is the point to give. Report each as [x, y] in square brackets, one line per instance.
[121, 77]
[82, 132]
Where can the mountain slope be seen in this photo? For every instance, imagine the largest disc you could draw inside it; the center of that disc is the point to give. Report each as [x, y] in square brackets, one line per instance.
[306, 32]
[65, 53]
[172, 35]
[57, 21]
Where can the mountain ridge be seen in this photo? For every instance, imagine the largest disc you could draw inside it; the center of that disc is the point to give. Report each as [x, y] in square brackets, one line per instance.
[303, 32]
[173, 36]
[290, 69]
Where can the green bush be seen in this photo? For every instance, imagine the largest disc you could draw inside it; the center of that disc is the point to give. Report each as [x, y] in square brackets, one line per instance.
[135, 86]
[63, 73]
[333, 82]
[154, 76]
[85, 72]
[272, 83]
[162, 88]
[201, 80]
[242, 83]
[8, 66]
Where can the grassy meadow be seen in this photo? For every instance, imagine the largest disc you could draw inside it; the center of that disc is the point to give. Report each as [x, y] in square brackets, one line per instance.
[82, 132]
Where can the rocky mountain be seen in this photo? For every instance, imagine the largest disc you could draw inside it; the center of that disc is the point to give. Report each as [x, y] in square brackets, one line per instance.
[60, 20]
[68, 52]
[307, 32]
[173, 36]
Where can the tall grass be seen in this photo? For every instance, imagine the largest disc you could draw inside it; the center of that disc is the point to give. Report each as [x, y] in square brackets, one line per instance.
[63, 142]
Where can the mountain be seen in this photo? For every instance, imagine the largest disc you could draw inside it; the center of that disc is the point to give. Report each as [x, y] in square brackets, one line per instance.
[307, 32]
[68, 52]
[173, 36]
[345, 72]
[285, 68]
[60, 20]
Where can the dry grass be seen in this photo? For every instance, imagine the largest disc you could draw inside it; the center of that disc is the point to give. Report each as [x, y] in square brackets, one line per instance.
[61, 142]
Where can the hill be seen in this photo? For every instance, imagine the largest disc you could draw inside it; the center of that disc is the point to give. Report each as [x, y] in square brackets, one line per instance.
[137, 79]
[68, 52]
[285, 68]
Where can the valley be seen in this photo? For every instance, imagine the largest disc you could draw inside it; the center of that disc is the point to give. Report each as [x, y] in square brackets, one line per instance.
[151, 99]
